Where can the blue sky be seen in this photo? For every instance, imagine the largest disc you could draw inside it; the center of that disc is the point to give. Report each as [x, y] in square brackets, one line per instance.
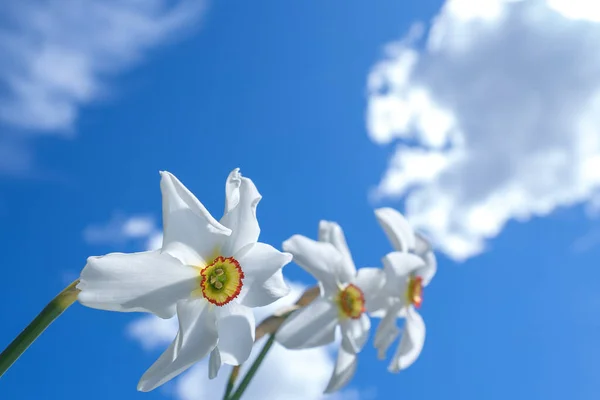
[282, 92]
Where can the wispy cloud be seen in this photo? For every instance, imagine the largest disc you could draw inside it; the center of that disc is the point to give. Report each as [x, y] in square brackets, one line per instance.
[60, 55]
[496, 118]
[121, 229]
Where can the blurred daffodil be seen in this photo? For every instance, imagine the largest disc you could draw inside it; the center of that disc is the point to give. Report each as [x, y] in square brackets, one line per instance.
[408, 270]
[344, 299]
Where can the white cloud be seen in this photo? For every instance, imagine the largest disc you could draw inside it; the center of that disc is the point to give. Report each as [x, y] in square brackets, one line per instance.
[121, 229]
[496, 118]
[58, 54]
[285, 374]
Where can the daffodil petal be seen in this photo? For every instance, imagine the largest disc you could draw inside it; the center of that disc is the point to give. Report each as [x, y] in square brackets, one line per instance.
[385, 341]
[387, 328]
[197, 336]
[235, 324]
[321, 260]
[330, 232]
[263, 281]
[259, 294]
[344, 370]
[398, 267]
[411, 343]
[427, 271]
[370, 281]
[397, 229]
[355, 333]
[241, 218]
[190, 233]
[147, 282]
[214, 363]
[312, 326]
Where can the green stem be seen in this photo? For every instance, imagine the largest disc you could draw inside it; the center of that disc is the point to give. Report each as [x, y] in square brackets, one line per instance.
[231, 381]
[253, 368]
[52, 311]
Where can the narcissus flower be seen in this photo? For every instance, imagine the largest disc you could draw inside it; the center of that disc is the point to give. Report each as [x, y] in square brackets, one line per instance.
[344, 300]
[407, 271]
[210, 273]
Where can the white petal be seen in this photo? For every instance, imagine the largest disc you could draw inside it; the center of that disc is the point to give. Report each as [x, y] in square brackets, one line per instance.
[387, 330]
[321, 260]
[260, 294]
[355, 333]
[411, 344]
[148, 281]
[232, 190]
[370, 281]
[330, 232]
[398, 267]
[235, 324]
[214, 363]
[427, 272]
[190, 232]
[312, 326]
[263, 279]
[344, 370]
[397, 229]
[241, 219]
[197, 336]
[422, 245]
[385, 341]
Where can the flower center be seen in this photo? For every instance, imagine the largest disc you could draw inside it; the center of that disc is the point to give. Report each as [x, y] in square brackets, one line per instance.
[222, 280]
[414, 293]
[351, 302]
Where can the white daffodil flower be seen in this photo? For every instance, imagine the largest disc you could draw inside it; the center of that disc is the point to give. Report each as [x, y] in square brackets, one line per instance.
[407, 271]
[210, 273]
[345, 296]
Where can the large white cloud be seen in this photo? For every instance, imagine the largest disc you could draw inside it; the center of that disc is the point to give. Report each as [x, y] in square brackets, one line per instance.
[496, 117]
[285, 374]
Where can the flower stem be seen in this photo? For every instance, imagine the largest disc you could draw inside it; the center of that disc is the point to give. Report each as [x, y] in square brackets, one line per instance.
[253, 368]
[231, 381]
[52, 311]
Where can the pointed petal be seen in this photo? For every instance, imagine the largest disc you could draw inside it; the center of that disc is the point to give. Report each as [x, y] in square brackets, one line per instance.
[411, 344]
[235, 324]
[344, 370]
[214, 363]
[370, 281]
[190, 233]
[148, 282]
[312, 326]
[232, 190]
[260, 294]
[385, 341]
[355, 333]
[197, 336]
[330, 232]
[398, 267]
[263, 281]
[241, 219]
[387, 331]
[427, 272]
[422, 245]
[321, 260]
[397, 229]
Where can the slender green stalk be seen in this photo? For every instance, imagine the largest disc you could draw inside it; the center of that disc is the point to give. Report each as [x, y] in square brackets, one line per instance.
[253, 368]
[52, 311]
[231, 381]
